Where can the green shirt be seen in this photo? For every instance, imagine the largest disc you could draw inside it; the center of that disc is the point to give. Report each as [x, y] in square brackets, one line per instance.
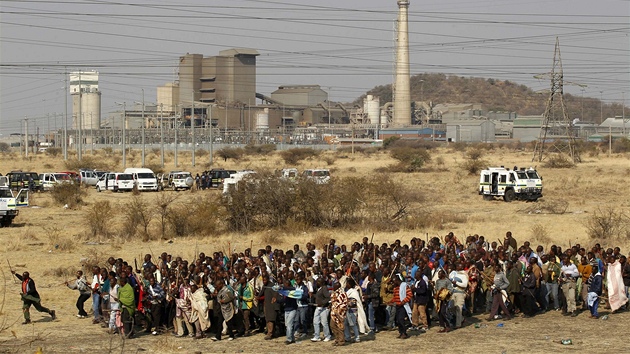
[126, 298]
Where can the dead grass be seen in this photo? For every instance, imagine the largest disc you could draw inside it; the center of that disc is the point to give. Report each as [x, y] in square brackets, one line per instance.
[450, 203]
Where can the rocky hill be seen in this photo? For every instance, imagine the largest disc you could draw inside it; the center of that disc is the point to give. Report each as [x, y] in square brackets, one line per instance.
[496, 95]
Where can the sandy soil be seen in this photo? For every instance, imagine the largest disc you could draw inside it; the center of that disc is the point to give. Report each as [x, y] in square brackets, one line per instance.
[50, 242]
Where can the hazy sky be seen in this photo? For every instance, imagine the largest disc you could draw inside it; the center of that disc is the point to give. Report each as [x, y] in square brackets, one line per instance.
[346, 46]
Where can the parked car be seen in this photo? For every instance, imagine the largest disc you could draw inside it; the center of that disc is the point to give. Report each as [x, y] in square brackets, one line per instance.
[50, 180]
[88, 177]
[319, 175]
[19, 179]
[116, 182]
[176, 180]
[144, 178]
[218, 175]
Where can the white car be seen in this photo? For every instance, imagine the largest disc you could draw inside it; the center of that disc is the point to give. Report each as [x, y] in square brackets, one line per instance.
[88, 177]
[144, 178]
[50, 180]
[116, 182]
[319, 175]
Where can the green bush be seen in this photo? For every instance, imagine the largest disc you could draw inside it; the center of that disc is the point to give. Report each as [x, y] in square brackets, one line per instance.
[410, 159]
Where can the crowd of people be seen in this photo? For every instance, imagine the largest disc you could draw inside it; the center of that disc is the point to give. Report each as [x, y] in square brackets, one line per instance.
[341, 292]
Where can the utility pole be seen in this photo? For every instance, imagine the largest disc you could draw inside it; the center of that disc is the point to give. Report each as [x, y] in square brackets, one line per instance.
[65, 125]
[162, 133]
[25, 137]
[211, 137]
[192, 125]
[91, 134]
[80, 125]
[552, 127]
[601, 107]
[143, 126]
[176, 126]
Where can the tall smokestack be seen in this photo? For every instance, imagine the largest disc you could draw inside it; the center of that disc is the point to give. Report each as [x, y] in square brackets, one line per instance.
[402, 96]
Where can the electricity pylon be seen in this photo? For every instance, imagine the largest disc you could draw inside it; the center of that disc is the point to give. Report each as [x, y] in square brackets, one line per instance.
[556, 124]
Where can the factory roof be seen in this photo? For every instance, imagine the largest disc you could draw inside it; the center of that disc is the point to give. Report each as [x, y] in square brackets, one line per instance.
[296, 89]
[238, 51]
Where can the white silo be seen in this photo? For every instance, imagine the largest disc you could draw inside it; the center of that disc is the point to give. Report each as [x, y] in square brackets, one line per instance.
[262, 119]
[371, 105]
[84, 84]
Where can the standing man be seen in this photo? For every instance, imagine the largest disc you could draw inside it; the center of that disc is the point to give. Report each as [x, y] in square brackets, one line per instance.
[84, 293]
[402, 298]
[460, 284]
[339, 307]
[225, 297]
[30, 296]
[322, 301]
[569, 274]
[97, 282]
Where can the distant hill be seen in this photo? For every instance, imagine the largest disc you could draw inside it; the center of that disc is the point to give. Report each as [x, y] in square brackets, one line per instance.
[496, 95]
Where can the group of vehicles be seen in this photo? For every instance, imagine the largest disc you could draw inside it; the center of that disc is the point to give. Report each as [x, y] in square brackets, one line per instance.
[9, 201]
[318, 175]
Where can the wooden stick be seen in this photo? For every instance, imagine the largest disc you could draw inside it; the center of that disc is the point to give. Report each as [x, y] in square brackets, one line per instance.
[11, 269]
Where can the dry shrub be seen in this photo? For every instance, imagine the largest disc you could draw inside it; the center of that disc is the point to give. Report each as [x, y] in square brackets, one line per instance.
[201, 153]
[53, 151]
[93, 258]
[621, 145]
[156, 168]
[163, 202]
[87, 162]
[263, 202]
[294, 156]
[70, 194]
[410, 159]
[263, 149]
[608, 223]
[271, 237]
[5, 148]
[438, 219]
[473, 161]
[98, 219]
[202, 216]
[138, 214]
[230, 153]
[330, 160]
[558, 206]
[58, 240]
[61, 272]
[539, 232]
[558, 160]
[320, 239]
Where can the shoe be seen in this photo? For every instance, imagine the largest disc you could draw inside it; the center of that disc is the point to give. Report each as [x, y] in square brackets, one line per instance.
[357, 340]
[327, 339]
[287, 342]
[404, 336]
[423, 330]
[214, 339]
[178, 335]
[53, 315]
[26, 322]
[444, 330]
[316, 339]
[79, 316]
[155, 333]
[230, 339]
[301, 335]
[574, 314]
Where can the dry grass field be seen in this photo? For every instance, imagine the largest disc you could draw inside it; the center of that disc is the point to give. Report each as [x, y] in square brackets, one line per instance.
[51, 242]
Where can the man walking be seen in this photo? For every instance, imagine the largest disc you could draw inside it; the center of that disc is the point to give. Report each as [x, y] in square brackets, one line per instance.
[569, 274]
[30, 296]
[322, 301]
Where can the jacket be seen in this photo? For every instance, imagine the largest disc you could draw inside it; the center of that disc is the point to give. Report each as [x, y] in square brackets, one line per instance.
[322, 297]
[28, 286]
[421, 294]
[373, 293]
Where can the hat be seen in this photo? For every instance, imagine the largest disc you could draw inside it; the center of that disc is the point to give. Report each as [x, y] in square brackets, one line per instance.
[399, 276]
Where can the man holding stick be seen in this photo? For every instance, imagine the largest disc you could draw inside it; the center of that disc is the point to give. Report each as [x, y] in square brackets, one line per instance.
[30, 296]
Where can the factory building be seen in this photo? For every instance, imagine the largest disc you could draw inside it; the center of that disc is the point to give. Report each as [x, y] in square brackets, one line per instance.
[300, 95]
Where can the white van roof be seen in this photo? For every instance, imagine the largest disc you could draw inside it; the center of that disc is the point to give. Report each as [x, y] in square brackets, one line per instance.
[138, 170]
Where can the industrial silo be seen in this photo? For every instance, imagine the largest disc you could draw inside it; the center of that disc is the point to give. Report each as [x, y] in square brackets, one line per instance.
[84, 85]
[262, 119]
[371, 105]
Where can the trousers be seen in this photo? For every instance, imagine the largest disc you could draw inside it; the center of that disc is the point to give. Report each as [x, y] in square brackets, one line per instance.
[568, 288]
[337, 329]
[80, 301]
[27, 301]
[459, 299]
[321, 317]
[419, 315]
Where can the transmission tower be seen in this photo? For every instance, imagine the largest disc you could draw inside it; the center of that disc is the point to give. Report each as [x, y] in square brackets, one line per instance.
[556, 126]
